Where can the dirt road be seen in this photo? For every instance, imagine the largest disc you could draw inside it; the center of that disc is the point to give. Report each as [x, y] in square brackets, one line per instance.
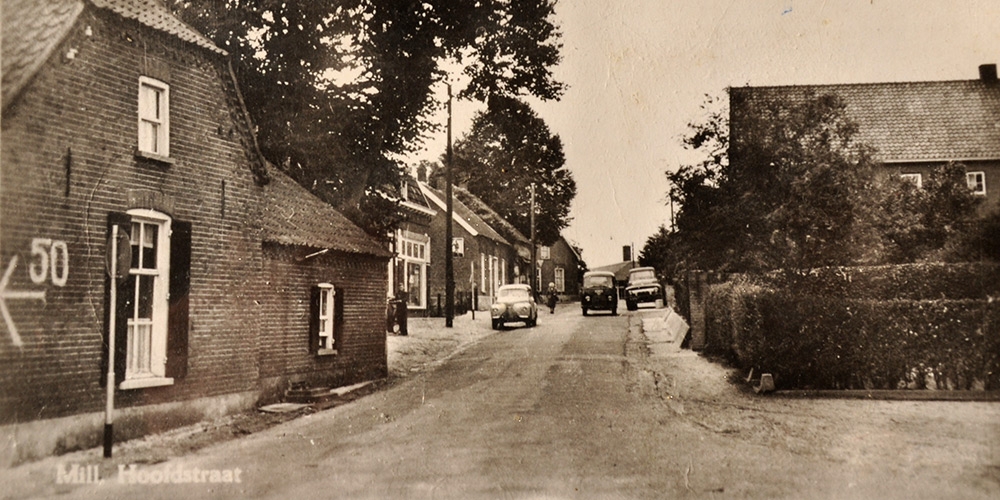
[583, 408]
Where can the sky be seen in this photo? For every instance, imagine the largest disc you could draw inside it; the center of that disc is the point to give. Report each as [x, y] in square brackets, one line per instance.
[638, 72]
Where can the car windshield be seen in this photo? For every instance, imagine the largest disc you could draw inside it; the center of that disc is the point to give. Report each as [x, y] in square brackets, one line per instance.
[596, 281]
[513, 293]
[647, 274]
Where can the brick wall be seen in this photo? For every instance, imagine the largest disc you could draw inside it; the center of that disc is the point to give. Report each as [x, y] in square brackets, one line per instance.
[284, 347]
[68, 160]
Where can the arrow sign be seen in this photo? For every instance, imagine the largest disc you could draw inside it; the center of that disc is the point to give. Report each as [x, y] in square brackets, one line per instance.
[12, 294]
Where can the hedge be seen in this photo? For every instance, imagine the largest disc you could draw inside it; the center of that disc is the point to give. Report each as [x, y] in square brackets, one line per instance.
[924, 281]
[816, 342]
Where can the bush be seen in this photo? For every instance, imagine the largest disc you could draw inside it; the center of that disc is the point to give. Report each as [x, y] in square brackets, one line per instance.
[824, 342]
[725, 311]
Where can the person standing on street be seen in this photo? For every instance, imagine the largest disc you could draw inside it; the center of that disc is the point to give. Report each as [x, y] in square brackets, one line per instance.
[553, 298]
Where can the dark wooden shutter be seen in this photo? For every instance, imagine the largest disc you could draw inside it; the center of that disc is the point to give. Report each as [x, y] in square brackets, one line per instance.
[180, 291]
[338, 317]
[314, 319]
[122, 309]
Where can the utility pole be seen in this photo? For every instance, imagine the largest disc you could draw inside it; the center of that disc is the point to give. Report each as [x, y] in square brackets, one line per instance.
[449, 265]
[534, 250]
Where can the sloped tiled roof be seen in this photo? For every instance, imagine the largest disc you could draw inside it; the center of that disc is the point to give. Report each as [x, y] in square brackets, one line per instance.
[490, 216]
[913, 121]
[294, 216]
[31, 31]
[465, 213]
[153, 14]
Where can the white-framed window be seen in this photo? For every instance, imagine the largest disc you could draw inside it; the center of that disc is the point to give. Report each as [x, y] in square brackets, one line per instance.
[543, 253]
[414, 256]
[458, 247]
[916, 179]
[146, 348]
[560, 279]
[326, 319]
[154, 117]
[977, 182]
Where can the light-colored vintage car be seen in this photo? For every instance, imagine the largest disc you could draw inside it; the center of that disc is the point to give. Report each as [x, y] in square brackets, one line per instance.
[514, 303]
[643, 287]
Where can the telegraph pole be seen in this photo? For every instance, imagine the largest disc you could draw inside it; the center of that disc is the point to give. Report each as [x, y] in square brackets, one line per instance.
[449, 269]
[534, 267]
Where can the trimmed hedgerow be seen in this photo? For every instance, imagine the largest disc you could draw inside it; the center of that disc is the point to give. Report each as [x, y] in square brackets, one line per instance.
[725, 312]
[923, 281]
[818, 342]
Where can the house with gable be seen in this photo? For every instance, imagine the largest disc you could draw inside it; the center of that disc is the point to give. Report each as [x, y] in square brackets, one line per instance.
[411, 246]
[520, 251]
[481, 255]
[562, 265]
[126, 146]
[916, 126]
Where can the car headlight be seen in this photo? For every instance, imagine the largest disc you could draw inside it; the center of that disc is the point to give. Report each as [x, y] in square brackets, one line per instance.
[497, 309]
[587, 298]
[522, 309]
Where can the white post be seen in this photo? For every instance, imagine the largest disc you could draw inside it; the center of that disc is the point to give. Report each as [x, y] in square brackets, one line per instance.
[113, 305]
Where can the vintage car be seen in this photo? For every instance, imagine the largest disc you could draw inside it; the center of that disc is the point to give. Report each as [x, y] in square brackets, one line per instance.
[514, 303]
[600, 292]
[643, 287]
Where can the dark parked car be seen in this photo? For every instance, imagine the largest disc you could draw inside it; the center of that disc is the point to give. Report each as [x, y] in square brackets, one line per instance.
[600, 292]
[514, 303]
[643, 286]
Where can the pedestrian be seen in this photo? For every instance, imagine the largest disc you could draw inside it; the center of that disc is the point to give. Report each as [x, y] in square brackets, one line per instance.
[553, 298]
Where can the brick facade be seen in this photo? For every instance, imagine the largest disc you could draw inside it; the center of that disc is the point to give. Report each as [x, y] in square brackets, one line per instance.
[69, 164]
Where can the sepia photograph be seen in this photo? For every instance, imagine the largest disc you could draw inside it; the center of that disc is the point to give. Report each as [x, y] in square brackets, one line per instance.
[512, 249]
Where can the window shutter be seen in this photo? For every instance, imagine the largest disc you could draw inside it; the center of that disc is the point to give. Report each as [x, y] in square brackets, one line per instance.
[338, 316]
[314, 319]
[180, 291]
[124, 302]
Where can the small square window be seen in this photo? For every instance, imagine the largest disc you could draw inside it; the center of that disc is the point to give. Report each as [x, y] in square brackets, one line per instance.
[916, 179]
[977, 182]
[154, 117]
[543, 253]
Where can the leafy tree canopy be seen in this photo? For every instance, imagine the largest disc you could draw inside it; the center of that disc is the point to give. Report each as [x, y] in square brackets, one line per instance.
[784, 184]
[507, 150]
[341, 90]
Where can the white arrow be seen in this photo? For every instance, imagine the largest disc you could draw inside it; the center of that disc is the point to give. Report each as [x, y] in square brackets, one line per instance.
[11, 294]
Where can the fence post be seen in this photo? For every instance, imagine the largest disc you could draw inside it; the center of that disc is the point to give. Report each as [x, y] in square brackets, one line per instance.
[697, 286]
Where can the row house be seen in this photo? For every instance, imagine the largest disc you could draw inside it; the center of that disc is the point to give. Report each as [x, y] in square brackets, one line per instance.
[917, 126]
[481, 255]
[561, 265]
[233, 283]
[519, 253]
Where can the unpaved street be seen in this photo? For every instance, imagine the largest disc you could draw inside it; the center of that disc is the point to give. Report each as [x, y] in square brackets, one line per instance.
[583, 407]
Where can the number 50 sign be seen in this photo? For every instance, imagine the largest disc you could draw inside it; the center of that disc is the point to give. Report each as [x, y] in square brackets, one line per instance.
[49, 258]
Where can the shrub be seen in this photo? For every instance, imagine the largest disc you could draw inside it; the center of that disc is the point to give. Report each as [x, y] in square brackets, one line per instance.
[825, 342]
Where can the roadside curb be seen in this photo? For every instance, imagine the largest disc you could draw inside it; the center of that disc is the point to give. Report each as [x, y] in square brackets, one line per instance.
[892, 395]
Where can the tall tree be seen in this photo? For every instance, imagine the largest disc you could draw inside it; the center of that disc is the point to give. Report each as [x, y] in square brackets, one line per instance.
[342, 90]
[508, 149]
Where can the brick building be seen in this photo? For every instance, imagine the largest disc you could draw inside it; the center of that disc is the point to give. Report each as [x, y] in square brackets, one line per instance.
[117, 116]
[481, 256]
[916, 126]
[562, 265]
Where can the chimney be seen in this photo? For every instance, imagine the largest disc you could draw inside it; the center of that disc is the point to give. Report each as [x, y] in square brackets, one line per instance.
[422, 172]
[988, 73]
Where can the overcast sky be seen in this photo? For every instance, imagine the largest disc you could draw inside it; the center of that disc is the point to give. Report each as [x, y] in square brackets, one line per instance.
[638, 71]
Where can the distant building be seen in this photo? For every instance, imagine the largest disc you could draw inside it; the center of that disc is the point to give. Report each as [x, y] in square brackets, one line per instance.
[916, 126]
[561, 265]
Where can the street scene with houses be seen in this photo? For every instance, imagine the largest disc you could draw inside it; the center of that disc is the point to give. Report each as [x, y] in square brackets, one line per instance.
[442, 249]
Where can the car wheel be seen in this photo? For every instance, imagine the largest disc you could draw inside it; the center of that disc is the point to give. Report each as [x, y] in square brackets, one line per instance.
[614, 312]
[584, 311]
[631, 306]
[496, 324]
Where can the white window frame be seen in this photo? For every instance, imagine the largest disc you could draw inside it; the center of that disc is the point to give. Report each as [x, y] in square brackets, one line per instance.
[543, 252]
[326, 330]
[560, 279]
[146, 359]
[154, 115]
[915, 178]
[458, 247]
[977, 182]
[411, 251]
